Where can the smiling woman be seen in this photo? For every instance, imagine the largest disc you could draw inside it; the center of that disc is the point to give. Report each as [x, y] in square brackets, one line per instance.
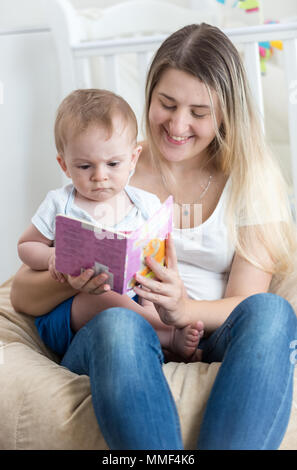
[182, 116]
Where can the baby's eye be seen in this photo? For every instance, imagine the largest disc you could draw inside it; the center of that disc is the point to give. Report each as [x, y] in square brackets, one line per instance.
[113, 163]
[84, 167]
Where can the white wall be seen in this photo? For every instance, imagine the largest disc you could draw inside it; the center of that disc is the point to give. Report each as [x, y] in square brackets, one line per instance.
[28, 168]
[18, 13]
[276, 9]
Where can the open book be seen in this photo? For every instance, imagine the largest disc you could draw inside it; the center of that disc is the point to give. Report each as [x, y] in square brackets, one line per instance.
[81, 245]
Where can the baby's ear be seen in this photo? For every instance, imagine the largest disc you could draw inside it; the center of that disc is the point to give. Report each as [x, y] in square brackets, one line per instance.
[136, 153]
[61, 161]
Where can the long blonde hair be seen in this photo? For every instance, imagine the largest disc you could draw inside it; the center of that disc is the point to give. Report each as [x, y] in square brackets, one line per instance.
[258, 199]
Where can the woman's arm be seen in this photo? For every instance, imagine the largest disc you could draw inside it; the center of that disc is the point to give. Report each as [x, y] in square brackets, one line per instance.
[244, 280]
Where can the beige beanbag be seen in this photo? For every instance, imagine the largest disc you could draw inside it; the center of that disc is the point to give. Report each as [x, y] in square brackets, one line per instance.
[45, 406]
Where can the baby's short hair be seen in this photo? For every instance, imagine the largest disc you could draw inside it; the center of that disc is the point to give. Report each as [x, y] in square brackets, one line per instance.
[86, 107]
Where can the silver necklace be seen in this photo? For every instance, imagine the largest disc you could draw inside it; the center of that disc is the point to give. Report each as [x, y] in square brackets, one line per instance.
[185, 210]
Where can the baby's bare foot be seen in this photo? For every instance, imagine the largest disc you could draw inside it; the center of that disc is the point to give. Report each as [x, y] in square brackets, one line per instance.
[185, 341]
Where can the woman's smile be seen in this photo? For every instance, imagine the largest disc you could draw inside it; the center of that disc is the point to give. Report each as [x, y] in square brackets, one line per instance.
[177, 140]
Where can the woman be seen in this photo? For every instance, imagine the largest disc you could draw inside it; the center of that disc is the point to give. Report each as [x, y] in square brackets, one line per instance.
[233, 231]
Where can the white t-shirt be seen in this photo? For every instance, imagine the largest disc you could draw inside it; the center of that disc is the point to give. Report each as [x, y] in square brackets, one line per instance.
[205, 254]
[61, 201]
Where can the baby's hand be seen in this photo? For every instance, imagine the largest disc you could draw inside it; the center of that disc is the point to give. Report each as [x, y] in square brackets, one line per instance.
[56, 275]
[88, 283]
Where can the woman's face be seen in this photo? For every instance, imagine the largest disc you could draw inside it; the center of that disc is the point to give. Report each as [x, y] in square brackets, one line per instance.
[180, 116]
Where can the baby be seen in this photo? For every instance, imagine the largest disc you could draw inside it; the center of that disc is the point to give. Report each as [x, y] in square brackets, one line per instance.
[95, 134]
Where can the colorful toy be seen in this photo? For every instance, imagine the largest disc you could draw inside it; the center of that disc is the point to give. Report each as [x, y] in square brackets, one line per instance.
[224, 1]
[266, 49]
[249, 5]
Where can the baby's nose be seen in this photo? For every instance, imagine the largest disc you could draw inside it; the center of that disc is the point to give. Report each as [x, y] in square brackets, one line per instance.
[100, 174]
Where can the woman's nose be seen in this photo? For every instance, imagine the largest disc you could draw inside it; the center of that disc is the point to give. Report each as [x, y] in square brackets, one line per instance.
[179, 124]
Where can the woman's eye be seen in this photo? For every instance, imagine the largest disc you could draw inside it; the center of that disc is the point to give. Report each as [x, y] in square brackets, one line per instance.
[166, 106]
[198, 115]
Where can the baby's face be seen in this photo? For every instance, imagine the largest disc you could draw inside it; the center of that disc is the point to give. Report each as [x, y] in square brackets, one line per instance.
[99, 166]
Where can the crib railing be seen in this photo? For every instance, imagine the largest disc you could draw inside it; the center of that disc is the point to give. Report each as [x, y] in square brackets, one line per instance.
[143, 47]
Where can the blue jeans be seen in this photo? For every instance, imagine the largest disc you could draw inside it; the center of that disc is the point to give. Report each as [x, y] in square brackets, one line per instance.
[250, 402]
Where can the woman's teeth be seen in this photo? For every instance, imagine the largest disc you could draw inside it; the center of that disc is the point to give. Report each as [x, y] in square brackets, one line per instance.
[178, 139]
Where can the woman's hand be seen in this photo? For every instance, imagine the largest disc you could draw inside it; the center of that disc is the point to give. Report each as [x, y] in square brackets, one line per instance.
[85, 282]
[167, 290]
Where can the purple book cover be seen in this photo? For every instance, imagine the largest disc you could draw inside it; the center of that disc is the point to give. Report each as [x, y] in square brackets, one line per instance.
[81, 245]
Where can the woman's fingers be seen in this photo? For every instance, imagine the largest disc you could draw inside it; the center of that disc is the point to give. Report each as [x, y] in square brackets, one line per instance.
[150, 284]
[171, 258]
[151, 296]
[162, 273]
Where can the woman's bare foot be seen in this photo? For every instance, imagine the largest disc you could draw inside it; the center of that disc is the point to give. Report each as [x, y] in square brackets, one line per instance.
[185, 341]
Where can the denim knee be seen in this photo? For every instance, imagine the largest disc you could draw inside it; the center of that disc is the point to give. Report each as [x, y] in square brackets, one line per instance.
[121, 327]
[268, 315]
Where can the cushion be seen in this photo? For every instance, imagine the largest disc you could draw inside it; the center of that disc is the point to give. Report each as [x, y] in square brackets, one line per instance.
[45, 406]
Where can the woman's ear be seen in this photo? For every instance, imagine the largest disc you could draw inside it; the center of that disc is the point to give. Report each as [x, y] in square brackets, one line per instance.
[62, 163]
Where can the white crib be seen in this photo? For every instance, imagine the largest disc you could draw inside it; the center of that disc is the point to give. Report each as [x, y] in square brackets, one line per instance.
[137, 28]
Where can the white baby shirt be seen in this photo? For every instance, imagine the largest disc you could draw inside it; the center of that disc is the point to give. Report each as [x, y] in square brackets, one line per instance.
[61, 201]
